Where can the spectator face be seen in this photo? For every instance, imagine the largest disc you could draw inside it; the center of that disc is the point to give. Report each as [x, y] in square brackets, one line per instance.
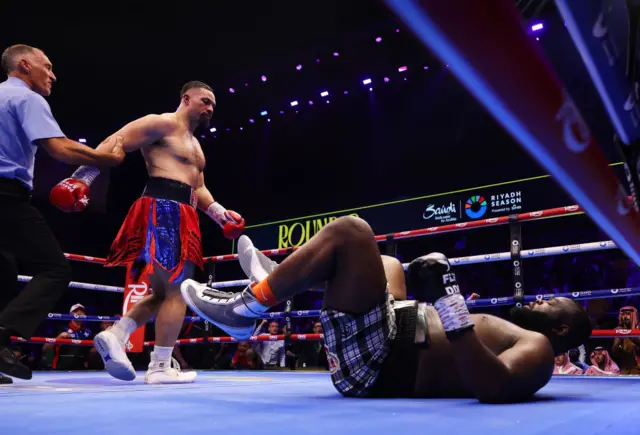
[626, 317]
[79, 312]
[273, 328]
[598, 357]
[243, 346]
[560, 360]
[317, 328]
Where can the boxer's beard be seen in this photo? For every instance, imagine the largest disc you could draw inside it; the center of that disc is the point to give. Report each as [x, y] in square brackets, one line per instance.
[204, 123]
[533, 321]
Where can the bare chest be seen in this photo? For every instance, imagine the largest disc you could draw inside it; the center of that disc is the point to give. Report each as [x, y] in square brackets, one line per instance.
[438, 373]
[185, 149]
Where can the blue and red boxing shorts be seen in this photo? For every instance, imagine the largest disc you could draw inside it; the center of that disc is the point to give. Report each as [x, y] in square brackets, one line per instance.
[162, 227]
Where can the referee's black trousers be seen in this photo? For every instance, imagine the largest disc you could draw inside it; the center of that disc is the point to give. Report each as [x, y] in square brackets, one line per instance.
[25, 236]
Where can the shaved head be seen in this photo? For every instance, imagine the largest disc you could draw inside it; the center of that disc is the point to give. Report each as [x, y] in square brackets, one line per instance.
[194, 85]
[12, 55]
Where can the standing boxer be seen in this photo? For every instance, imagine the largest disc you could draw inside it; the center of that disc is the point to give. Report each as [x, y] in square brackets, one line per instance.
[381, 346]
[26, 123]
[162, 229]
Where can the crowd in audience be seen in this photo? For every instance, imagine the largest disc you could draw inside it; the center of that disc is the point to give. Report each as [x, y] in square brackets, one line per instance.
[604, 357]
[254, 355]
[622, 358]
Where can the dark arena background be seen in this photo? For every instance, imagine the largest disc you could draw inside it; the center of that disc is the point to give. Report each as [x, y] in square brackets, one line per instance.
[324, 109]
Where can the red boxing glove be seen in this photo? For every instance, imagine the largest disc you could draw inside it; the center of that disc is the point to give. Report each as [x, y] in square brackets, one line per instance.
[73, 194]
[70, 195]
[231, 222]
[234, 226]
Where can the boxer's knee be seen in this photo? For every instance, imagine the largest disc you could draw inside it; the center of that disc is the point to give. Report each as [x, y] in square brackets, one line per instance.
[351, 228]
[173, 292]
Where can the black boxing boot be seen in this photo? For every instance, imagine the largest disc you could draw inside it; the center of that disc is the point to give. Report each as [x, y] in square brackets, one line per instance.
[431, 276]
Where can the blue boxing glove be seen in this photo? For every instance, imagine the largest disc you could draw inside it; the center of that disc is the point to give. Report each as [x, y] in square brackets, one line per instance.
[431, 276]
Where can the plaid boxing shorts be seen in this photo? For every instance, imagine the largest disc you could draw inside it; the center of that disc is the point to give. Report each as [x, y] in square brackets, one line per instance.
[376, 354]
[358, 345]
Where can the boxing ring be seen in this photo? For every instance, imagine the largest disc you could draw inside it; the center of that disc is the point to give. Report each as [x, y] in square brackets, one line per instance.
[294, 403]
[305, 402]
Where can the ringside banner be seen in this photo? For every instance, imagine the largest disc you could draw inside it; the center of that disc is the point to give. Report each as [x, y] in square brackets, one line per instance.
[465, 205]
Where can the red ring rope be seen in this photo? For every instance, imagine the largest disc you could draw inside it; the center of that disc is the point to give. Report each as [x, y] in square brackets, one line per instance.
[522, 217]
[599, 333]
[295, 337]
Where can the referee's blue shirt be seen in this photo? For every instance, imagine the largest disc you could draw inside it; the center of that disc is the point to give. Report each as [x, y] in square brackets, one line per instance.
[25, 116]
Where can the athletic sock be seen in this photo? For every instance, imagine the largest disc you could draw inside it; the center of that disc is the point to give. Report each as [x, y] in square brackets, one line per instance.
[162, 354]
[265, 298]
[123, 328]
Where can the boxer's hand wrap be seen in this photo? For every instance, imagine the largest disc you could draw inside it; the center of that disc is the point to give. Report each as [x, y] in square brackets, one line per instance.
[430, 276]
[86, 174]
[231, 222]
[454, 315]
[216, 212]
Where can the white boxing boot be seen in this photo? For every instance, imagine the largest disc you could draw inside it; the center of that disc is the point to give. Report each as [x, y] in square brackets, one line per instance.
[113, 354]
[167, 372]
[254, 263]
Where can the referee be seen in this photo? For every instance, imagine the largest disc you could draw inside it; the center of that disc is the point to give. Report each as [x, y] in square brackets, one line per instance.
[26, 124]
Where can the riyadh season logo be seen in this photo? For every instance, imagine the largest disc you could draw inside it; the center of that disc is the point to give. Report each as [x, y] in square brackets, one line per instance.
[475, 207]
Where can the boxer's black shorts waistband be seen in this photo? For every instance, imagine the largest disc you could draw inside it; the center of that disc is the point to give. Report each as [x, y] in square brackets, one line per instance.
[164, 188]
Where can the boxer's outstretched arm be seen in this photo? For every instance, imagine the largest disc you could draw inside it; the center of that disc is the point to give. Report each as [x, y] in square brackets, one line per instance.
[514, 375]
[145, 131]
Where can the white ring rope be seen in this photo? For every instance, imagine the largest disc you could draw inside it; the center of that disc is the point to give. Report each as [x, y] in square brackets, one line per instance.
[459, 261]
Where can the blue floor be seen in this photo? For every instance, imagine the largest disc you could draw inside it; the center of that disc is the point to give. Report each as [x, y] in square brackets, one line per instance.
[278, 403]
